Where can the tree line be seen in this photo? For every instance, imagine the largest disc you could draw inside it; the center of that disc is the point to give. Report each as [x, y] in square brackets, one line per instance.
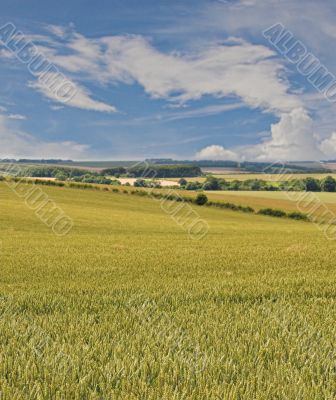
[309, 184]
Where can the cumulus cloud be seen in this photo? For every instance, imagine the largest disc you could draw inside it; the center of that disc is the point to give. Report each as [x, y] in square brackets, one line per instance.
[234, 68]
[216, 152]
[17, 144]
[328, 146]
[291, 139]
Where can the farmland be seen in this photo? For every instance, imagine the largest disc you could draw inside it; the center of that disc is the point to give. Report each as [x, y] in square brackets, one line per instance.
[282, 200]
[128, 306]
[265, 177]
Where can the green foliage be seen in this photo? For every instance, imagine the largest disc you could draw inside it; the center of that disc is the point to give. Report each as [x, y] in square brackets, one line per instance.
[297, 215]
[212, 183]
[140, 183]
[201, 199]
[182, 182]
[156, 171]
[272, 212]
[312, 185]
[328, 184]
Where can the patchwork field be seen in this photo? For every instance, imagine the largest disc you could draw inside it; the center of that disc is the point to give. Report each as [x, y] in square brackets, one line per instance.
[281, 200]
[265, 177]
[128, 306]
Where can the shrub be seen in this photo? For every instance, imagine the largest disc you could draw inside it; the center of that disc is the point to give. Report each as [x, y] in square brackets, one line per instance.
[312, 185]
[140, 183]
[246, 209]
[297, 215]
[183, 182]
[328, 184]
[201, 199]
[272, 212]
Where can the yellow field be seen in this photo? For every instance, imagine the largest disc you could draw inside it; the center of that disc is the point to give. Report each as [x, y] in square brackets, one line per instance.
[128, 306]
[281, 200]
[265, 177]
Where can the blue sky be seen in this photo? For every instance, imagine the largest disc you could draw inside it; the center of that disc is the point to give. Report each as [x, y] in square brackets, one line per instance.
[179, 79]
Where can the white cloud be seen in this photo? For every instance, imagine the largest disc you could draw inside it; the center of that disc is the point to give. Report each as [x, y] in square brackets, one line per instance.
[328, 146]
[215, 152]
[57, 30]
[233, 68]
[81, 98]
[16, 116]
[4, 53]
[292, 138]
[202, 111]
[17, 144]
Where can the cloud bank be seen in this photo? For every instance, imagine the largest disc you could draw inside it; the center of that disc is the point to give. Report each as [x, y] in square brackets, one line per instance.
[291, 139]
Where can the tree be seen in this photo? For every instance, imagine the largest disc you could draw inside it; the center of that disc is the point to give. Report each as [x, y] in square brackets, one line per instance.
[201, 199]
[328, 184]
[140, 183]
[61, 176]
[312, 185]
[182, 182]
[235, 185]
[211, 183]
[191, 186]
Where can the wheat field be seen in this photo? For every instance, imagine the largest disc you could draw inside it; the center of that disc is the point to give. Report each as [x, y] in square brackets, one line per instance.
[127, 306]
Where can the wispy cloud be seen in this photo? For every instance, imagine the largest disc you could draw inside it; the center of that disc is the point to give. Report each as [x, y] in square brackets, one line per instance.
[81, 99]
[233, 68]
[202, 111]
[16, 116]
[15, 143]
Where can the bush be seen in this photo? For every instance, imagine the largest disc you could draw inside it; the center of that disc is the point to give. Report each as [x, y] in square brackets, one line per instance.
[140, 183]
[246, 209]
[328, 184]
[298, 216]
[312, 185]
[201, 199]
[272, 212]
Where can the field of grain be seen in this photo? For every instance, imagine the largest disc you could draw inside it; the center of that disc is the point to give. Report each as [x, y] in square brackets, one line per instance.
[282, 200]
[265, 177]
[127, 306]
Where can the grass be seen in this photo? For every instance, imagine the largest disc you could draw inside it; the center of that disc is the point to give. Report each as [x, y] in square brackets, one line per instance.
[126, 306]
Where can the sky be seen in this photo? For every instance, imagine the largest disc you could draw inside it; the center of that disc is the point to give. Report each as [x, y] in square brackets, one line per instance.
[182, 79]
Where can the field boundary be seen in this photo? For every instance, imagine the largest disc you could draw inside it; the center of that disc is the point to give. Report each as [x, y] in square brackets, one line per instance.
[269, 212]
